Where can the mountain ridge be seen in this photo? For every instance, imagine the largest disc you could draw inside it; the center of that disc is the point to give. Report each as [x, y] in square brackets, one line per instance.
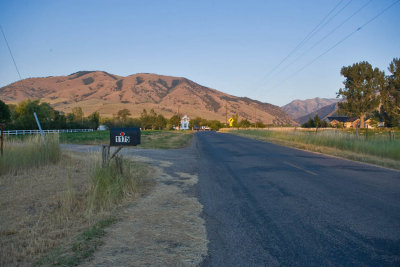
[299, 108]
[167, 95]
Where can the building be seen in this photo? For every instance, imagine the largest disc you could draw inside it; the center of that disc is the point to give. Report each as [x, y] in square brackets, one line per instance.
[185, 123]
[344, 121]
[353, 122]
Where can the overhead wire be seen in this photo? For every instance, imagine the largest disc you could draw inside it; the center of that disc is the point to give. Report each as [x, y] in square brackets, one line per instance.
[327, 35]
[305, 39]
[337, 43]
[9, 50]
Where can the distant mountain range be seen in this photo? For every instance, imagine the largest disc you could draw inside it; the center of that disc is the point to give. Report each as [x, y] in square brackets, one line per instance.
[107, 93]
[323, 113]
[299, 109]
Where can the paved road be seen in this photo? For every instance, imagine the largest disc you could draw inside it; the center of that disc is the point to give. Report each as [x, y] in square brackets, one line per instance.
[267, 205]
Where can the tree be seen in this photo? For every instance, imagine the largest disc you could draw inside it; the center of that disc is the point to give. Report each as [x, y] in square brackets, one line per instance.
[361, 88]
[78, 114]
[390, 95]
[5, 114]
[309, 124]
[245, 123]
[152, 119]
[317, 121]
[175, 120]
[123, 114]
[161, 122]
[94, 119]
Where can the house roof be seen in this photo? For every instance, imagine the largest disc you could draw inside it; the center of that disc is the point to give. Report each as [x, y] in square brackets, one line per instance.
[342, 119]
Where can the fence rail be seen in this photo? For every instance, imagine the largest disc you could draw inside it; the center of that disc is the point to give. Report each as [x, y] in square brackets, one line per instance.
[23, 132]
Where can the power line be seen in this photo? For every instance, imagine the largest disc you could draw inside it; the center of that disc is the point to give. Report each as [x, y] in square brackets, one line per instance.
[338, 43]
[327, 35]
[9, 49]
[308, 36]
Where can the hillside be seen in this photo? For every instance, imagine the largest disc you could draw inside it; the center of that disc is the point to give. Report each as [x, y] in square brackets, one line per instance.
[108, 93]
[323, 113]
[299, 108]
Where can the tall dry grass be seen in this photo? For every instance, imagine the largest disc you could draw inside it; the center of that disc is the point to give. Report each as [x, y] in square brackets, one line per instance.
[29, 152]
[376, 145]
[109, 185]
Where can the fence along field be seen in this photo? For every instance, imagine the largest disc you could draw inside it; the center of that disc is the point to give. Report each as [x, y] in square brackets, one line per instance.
[380, 147]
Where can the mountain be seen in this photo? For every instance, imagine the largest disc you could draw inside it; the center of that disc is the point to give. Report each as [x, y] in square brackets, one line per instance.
[108, 93]
[299, 108]
[323, 113]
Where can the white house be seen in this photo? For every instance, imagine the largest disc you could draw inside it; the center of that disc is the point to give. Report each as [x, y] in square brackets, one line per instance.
[185, 123]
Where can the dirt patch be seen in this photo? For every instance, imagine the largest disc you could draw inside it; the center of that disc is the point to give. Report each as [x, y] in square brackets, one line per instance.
[164, 228]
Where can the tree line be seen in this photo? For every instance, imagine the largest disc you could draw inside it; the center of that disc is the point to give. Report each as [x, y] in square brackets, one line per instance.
[20, 117]
[369, 92]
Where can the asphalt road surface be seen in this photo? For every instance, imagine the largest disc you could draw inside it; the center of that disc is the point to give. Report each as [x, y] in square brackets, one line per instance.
[268, 205]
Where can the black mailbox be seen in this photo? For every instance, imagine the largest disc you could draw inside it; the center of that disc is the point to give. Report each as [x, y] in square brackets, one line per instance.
[124, 136]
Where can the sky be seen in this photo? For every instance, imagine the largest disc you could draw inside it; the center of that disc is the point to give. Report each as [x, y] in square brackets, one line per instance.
[272, 51]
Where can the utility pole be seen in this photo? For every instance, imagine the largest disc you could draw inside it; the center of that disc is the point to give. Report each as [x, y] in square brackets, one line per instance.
[226, 114]
[255, 117]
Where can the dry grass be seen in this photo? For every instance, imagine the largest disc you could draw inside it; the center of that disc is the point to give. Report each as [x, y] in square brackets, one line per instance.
[378, 149]
[29, 152]
[47, 207]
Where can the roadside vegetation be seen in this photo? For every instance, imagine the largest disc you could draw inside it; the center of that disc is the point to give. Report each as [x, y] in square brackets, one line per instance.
[29, 152]
[56, 205]
[149, 139]
[373, 146]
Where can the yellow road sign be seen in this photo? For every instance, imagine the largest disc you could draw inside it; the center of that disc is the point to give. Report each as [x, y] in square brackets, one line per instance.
[231, 120]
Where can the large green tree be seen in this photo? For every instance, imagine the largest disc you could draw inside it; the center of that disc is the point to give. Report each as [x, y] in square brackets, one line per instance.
[4, 112]
[362, 85]
[390, 95]
[175, 120]
[94, 119]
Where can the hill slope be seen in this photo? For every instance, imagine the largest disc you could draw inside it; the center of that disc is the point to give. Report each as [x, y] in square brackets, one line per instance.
[323, 113]
[299, 108]
[107, 93]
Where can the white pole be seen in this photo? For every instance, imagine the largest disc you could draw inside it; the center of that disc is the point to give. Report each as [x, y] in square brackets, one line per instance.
[40, 127]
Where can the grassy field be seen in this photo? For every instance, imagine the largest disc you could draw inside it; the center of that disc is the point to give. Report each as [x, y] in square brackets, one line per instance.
[149, 139]
[29, 152]
[378, 148]
[54, 210]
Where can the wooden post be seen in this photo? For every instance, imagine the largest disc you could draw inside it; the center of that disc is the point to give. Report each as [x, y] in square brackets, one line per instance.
[366, 133]
[2, 138]
[105, 155]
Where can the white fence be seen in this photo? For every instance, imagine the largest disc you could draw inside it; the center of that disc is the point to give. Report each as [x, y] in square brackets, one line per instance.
[23, 132]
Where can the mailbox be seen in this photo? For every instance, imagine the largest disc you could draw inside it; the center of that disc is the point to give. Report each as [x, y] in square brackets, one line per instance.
[124, 136]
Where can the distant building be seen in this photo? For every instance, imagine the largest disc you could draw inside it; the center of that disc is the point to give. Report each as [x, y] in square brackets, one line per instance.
[344, 120]
[102, 128]
[353, 122]
[185, 123]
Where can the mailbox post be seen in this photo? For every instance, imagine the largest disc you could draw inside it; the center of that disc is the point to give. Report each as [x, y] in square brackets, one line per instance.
[120, 137]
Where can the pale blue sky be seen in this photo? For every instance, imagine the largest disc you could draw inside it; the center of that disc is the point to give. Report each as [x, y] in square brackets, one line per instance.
[231, 46]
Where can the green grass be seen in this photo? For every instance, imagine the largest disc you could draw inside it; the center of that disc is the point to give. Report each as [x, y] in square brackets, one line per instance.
[82, 249]
[109, 186]
[149, 139]
[378, 148]
[29, 152]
